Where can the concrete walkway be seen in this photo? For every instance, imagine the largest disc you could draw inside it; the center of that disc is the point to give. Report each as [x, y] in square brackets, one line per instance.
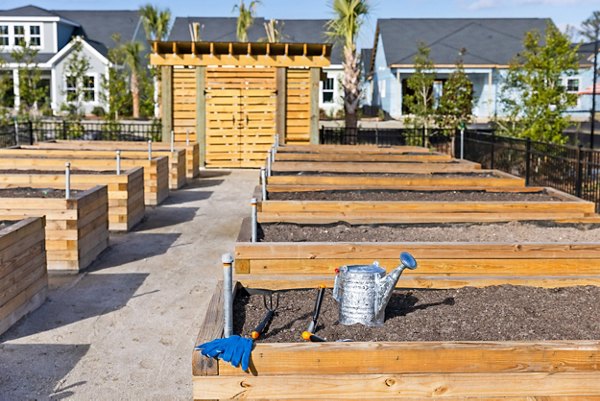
[125, 329]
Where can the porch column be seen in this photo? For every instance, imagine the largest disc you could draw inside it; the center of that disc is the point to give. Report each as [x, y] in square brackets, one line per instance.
[201, 113]
[281, 104]
[16, 90]
[167, 102]
[315, 75]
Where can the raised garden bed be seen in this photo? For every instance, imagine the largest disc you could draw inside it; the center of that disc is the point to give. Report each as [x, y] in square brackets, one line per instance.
[452, 370]
[192, 150]
[352, 149]
[522, 253]
[319, 207]
[363, 157]
[156, 171]
[480, 180]
[23, 274]
[76, 228]
[375, 167]
[177, 166]
[125, 191]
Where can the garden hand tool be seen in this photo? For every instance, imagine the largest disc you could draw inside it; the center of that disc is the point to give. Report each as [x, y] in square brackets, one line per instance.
[317, 310]
[271, 309]
[313, 338]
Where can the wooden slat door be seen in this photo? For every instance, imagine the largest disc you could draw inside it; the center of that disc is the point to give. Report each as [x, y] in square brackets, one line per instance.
[240, 116]
[184, 104]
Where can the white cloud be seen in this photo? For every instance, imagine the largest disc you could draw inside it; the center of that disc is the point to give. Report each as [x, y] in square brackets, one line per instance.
[482, 4]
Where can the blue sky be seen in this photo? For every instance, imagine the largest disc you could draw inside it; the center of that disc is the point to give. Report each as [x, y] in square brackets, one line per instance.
[562, 12]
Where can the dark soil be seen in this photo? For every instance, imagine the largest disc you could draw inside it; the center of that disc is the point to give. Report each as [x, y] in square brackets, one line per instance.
[25, 192]
[513, 232]
[406, 175]
[54, 172]
[439, 196]
[500, 313]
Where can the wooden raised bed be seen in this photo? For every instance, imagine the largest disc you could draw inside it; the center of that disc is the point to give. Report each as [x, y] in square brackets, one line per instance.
[449, 370]
[476, 180]
[361, 157]
[376, 167]
[352, 149]
[568, 207]
[192, 150]
[23, 274]
[125, 191]
[156, 171]
[177, 178]
[76, 228]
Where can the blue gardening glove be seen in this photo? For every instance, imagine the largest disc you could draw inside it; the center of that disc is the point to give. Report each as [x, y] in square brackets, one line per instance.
[234, 350]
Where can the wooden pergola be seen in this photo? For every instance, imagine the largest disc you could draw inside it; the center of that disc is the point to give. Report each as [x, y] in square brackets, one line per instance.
[233, 98]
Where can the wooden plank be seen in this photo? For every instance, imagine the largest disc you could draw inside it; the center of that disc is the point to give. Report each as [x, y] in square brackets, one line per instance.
[363, 157]
[374, 167]
[315, 74]
[353, 149]
[166, 95]
[374, 386]
[211, 328]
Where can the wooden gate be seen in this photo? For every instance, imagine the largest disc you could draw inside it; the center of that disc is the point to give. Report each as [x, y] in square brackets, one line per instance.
[240, 116]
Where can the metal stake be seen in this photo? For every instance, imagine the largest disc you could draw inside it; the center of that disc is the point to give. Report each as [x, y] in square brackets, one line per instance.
[149, 149]
[462, 143]
[269, 163]
[67, 180]
[227, 261]
[253, 202]
[118, 162]
[263, 182]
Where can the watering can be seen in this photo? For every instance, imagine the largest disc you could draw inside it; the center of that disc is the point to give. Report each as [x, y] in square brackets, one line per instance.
[363, 291]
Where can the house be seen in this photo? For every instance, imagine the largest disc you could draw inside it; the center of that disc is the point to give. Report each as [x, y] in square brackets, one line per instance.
[217, 29]
[583, 83]
[486, 47]
[53, 33]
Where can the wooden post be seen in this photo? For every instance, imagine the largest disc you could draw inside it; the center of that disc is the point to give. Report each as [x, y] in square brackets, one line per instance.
[201, 113]
[167, 102]
[280, 124]
[315, 74]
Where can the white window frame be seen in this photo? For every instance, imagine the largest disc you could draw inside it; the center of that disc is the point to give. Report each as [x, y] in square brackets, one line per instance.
[15, 36]
[94, 101]
[566, 83]
[27, 34]
[332, 91]
[6, 35]
[94, 90]
[39, 35]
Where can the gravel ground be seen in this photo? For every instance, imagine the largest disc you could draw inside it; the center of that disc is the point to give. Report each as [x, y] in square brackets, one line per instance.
[466, 314]
[460, 232]
[26, 192]
[439, 196]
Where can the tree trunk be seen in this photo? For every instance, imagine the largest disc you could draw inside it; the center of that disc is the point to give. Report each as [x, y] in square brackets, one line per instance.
[135, 94]
[351, 83]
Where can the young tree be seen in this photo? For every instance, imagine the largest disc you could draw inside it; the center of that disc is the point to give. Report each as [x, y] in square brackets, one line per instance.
[348, 17]
[132, 52]
[420, 84]
[274, 29]
[31, 91]
[6, 100]
[456, 104]
[156, 24]
[76, 71]
[116, 92]
[590, 29]
[245, 18]
[533, 95]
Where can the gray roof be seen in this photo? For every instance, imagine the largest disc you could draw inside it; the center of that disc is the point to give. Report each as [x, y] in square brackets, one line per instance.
[40, 58]
[218, 29]
[27, 11]
[365, 59]
[98, 26]
[486, 40]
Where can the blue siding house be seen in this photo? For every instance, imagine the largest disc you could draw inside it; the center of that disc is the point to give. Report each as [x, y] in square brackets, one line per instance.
[486, 47]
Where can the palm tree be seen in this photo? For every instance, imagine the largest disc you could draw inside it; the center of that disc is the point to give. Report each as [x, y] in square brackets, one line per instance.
[348, 17]
[132, 51]
[273, 29]
[156, 24]
[245, 18]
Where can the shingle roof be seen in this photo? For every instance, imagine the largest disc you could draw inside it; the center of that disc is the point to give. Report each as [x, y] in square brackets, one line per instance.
[365, 59]
[98, 26]
[27, 11]
[40, 58]
[486, 40]
[217, 29]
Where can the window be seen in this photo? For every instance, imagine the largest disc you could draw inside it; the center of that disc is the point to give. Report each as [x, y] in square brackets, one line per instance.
[89, 89]
[572, 85]
[19, 34]
[35, 35]
[71, 89]
[382, 89]
[3, 35]
[328, 90]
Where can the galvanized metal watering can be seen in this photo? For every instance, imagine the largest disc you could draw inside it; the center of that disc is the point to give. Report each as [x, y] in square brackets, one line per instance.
[363, 291]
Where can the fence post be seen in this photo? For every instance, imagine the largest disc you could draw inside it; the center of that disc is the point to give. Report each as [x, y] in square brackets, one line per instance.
[30, 129]
[462, 143]
[492, 152]
[527, 161]
[423, 137]
[579, 177]
[64, 129]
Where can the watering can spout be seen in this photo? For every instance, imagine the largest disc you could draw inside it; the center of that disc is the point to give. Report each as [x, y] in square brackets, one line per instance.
[388, 283]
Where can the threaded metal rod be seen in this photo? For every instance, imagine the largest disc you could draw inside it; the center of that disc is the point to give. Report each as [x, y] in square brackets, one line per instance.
[253, 202]
[67, 180]
[150, 149]
[118, 162]
[263, 183]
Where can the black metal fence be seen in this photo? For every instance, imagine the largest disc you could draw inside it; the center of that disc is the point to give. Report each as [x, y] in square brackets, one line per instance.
[572, 169]
[27, 132]
[439, 139]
